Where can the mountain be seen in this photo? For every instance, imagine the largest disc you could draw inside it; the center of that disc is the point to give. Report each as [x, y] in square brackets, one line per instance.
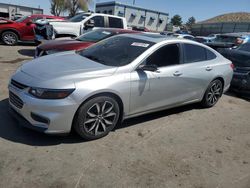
[230, 17]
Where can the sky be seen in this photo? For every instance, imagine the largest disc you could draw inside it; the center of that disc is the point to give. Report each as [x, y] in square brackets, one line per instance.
[200, 9]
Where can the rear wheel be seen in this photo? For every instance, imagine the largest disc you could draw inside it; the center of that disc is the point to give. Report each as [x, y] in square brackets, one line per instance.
[97, 117]
[212, 94]
[9, 38]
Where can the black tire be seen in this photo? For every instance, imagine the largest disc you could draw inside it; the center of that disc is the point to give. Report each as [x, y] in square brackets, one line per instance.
[9, 38]
[212, 94]
[88, 118]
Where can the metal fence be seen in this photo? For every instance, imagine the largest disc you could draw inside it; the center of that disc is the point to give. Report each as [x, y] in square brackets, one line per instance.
[226, 27]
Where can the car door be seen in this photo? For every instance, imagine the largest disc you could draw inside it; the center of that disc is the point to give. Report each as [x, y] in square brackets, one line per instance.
[162, 88]
[28, 28]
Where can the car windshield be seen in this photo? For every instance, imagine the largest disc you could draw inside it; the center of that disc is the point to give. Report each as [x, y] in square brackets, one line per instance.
[226, 39]
[95, 35]
[116, 51]
[244, 47]
[78, 18]
[21, 19]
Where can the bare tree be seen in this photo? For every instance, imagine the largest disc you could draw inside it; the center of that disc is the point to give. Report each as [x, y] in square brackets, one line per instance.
[57, 7]
[75, 5]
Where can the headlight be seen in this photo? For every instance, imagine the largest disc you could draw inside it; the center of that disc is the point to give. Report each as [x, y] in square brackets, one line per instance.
[49, 52]
[50, 93]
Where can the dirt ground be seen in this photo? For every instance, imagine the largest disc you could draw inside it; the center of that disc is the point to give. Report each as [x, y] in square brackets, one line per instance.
[187, 147]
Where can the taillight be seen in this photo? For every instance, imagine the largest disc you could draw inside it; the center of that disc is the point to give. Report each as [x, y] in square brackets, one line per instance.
[232, 66]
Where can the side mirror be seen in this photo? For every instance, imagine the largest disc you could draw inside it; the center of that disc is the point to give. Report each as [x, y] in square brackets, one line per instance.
[29, 22]
[152, 68]
[90, 24]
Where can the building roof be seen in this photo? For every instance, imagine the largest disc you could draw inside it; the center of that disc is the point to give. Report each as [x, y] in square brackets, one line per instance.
[114, 3]
[7, 4]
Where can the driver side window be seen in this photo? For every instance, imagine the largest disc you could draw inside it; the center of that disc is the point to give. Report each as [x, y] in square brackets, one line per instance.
[165, 56]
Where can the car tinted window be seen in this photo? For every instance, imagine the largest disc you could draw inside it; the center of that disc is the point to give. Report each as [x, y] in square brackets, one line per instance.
[245, 47]
[99, 21]
[165, 56]
[95, 35]
[116, 51]
[78, 18]
[210, 55]
[115, 22]
[194, 53]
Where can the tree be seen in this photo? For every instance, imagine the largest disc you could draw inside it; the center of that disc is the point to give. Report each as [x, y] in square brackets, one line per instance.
[191, 21]
[74, 5]
[176, 20]
[57, 7]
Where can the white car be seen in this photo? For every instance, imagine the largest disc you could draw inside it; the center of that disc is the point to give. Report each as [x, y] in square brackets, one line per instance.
[83, 22]
[184, 36]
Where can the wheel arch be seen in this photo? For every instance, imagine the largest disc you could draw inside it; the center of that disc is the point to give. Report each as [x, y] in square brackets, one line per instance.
[104, 93]
[11, 30]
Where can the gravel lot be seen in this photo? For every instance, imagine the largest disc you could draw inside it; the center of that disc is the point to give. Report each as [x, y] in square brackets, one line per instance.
[186, 147]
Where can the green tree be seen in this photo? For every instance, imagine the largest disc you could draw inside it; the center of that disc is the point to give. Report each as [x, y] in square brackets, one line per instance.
[176, 20]
[191, 21]
[73, 6]
[57, 7]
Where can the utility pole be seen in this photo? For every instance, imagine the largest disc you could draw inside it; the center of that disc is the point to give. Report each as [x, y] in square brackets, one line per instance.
[133, 2]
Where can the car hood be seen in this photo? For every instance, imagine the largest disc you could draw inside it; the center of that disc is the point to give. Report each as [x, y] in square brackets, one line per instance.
[65, 68]
[61, 45]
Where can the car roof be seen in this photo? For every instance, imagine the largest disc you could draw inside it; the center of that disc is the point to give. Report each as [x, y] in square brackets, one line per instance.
[118, 30]
[151, 37]
[241, 34]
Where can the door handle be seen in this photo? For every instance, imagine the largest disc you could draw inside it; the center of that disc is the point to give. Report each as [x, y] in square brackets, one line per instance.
[177, 73]
[209, 68]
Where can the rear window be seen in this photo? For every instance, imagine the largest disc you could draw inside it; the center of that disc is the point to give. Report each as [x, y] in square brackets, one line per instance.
[115, 22]
[116, 51]
[95, 36]
[195, 53]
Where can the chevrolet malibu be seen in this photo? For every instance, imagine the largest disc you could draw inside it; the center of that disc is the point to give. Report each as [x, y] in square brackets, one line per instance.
[124, 76]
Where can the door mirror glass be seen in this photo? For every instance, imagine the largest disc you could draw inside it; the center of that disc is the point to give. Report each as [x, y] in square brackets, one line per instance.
[90, 24]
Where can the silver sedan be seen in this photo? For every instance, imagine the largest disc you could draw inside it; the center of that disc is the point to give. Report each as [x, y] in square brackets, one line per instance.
[121, 77]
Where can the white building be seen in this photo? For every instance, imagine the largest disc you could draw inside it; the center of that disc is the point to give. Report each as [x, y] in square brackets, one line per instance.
[10, 10]
[136, 16]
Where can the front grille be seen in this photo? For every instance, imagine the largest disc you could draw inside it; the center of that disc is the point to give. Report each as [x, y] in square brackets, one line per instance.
[18, 85]
[15, 100]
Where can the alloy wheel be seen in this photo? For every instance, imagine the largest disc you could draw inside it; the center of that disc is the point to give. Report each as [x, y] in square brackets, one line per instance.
[214, 93]
[9, 39]
[99, 117]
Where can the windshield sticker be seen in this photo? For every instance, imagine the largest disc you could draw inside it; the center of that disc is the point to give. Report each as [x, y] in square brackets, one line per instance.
[144, 45]
[106, 33]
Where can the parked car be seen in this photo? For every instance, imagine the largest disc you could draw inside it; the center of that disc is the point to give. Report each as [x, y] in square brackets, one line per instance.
[202, 40]
[83, 22]
[241, 60]
[121, 77]
[229, 40]
[79, 43]
[20, 30]
[211, 37]
[184, 36]
[144, 29]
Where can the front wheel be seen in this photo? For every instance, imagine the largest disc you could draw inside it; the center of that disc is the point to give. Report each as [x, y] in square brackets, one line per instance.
[9, 38]
[97, 117]
[212, 94]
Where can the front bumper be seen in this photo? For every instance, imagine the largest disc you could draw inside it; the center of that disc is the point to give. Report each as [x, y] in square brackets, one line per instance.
[51, 116]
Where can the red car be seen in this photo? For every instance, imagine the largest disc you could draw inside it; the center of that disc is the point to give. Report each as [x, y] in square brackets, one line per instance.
[79, 43]
[22, 29]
